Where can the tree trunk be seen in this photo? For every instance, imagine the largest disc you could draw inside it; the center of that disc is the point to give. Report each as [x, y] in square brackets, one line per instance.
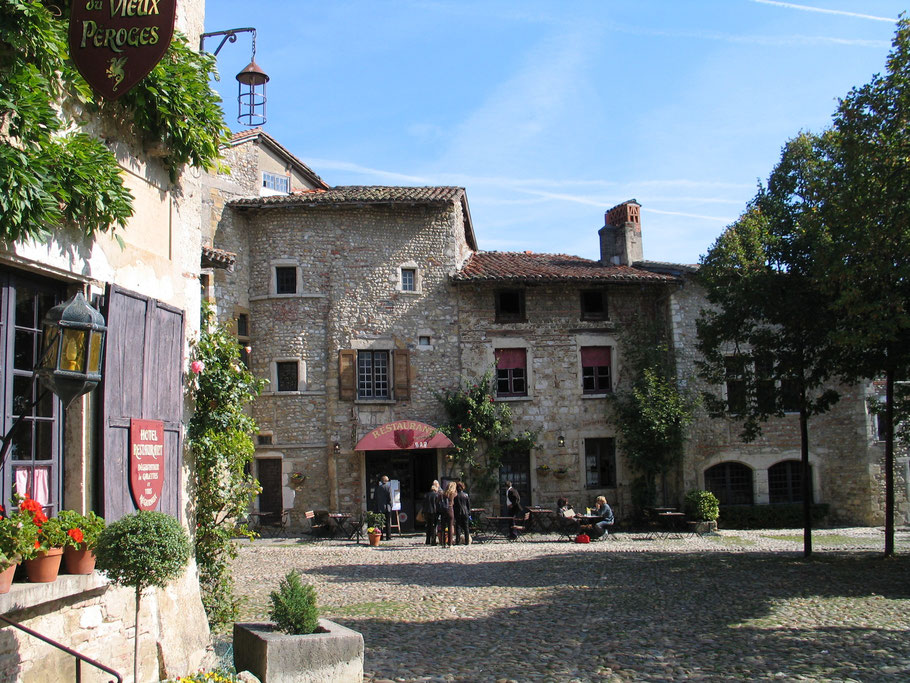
[889, 460]
[806, 479]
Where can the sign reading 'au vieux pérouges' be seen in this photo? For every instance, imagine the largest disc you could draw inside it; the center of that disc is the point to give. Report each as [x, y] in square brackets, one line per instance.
[146, 462]
[116, 43]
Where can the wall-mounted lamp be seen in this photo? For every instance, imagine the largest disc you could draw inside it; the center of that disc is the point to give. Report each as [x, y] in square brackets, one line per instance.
[336, 448]
[561, 441]
[251, 80]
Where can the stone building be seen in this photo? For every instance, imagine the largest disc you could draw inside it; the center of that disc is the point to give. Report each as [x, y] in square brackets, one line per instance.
[361, 304]
[76, 457]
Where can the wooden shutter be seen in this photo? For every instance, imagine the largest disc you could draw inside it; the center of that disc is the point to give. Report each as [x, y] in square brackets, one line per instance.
[401, 367]
[143, 379]
[347, 375]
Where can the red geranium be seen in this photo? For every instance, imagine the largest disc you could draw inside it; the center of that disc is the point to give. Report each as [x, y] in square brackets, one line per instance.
[75, 534]
[30, 504]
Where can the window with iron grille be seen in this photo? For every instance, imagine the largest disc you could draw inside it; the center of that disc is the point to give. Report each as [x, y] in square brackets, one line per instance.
[785, 482]
[595, 369]
[511, 372]
[373, 374]
[408, 280]
[594, 304]
[731, 482]
[288, 375]
[285, 279]
[510, 305]
[600, 463]
[274, 181]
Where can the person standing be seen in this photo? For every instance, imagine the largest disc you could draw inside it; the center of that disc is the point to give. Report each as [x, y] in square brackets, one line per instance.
[447, 514]
[431, 512]
[516, 511]
[462, 514]
[383, 501]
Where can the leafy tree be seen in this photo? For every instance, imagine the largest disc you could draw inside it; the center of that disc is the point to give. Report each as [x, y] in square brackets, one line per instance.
[480, 429]
[867, 217]
[219, 437]
[769, 324]
[653, 415]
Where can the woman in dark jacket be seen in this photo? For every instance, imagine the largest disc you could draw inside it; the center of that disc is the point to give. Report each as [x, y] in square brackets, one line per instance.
[431, 513]
[462, 514]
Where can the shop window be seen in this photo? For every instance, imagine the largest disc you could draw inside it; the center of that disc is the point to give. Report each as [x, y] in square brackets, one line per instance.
[511, 372]
[594, 304]
[510, 305]
[600, 463]
[596, 376]
[731, 482]
[785, 482]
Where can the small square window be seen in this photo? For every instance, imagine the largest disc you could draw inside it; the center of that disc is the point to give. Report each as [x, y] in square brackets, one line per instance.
[510, 305]
[423, 341]
[287, 372]
[593, 304]
[408, 280]
[264, 439]
[285, 279]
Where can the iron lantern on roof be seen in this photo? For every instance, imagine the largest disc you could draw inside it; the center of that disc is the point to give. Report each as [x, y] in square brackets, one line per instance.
[70, 364]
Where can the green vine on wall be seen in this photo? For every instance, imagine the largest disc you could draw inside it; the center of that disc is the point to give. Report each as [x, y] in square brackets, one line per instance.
[480, 429]
[51, 176]
[220, 439]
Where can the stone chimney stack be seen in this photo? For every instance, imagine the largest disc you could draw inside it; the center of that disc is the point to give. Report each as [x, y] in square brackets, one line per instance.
[620, 237]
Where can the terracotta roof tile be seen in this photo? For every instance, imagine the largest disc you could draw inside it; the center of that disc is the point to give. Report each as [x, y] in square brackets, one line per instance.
[485, 266]
[217, 258]
[359, 194]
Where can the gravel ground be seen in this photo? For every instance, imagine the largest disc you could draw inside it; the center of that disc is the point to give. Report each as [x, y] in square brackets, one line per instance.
[738, 605]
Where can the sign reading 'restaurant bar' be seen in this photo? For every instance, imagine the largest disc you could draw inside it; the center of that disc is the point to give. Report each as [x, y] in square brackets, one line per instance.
[116, 43]
[146, 462]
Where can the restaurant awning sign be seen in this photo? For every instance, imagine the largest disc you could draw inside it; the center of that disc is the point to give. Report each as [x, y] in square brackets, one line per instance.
[116, 43]
[146, 462]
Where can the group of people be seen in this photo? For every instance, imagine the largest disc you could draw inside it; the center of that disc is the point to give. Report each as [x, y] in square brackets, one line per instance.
[447, 514]
[593, 529]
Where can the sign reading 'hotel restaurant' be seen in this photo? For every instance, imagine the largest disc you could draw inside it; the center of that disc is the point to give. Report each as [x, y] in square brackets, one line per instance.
[116, 43]
[146, 462]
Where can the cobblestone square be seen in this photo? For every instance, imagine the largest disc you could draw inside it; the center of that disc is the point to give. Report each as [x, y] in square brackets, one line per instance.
[739, 605]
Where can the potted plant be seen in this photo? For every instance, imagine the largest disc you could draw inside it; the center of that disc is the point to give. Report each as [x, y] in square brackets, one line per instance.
[297, 480]
[143, 549]
[543, 470]
[42, 560]
[297, 645]
[82, 533]
[560, 473]
[375, 521]
[703, 509]
[17, 540]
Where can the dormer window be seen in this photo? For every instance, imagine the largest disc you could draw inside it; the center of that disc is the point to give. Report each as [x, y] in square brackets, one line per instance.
[273, 183]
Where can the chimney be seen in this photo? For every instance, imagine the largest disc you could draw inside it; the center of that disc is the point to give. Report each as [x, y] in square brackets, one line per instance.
[620, 237]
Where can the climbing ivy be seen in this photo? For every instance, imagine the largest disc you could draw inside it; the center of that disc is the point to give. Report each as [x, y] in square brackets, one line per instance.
[52, 176]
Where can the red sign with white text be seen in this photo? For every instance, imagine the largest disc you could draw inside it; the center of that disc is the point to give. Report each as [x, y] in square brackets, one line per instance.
[146, 462]
[116, 43]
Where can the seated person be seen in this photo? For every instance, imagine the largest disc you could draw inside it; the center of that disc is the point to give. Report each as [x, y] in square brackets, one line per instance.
[563, 509]
[603, 511]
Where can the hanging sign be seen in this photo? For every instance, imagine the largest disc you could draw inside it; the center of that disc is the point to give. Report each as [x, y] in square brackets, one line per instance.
[146, 462]
[116, 43]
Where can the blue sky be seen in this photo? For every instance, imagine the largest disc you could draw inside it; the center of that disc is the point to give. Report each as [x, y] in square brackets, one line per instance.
[550, 113]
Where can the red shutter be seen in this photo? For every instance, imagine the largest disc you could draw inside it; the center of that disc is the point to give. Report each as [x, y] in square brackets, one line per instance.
[401, 367]
[509, 359]
[347, 375]
[595, 356]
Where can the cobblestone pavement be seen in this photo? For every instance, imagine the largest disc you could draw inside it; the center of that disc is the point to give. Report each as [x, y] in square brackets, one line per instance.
[739, 605]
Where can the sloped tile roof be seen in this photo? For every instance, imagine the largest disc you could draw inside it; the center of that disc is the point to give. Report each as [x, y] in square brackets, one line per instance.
[508, 266]
[254, 134]
[217, 258]
[359, 194]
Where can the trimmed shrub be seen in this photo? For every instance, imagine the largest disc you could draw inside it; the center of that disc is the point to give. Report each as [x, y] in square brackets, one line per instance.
[777, 516]
[294, 606]
[701, 506]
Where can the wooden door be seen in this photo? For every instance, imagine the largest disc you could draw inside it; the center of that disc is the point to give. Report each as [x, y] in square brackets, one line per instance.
[268, 472]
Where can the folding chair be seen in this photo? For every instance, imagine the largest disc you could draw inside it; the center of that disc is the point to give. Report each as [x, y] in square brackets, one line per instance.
[318, 529]
[567, 527]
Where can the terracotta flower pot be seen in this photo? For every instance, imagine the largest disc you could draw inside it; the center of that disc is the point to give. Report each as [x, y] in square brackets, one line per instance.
[78, 561]
[45, 567]
[375, 538]
[6, 578]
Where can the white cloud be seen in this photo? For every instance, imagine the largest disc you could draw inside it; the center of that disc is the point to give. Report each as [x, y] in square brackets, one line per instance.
[822, 10]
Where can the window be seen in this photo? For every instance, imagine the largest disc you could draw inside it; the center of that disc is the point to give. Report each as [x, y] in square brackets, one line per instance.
[276, 182]
[511, 372]
[600, 463]
[34, 459]
[264, 439]
[424, 341]
[735, 368]
[594, 304]
[408, 280]
[243, 338]
[595, 369]
[731, 482]
[510, 305]
[373, 374]
[785, 482]
[288, 376]
[285, 279]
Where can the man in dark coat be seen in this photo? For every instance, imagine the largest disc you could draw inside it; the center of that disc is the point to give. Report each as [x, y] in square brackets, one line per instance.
[382, 498]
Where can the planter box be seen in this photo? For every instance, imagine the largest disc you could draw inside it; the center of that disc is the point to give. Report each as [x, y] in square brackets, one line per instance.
[275, 657]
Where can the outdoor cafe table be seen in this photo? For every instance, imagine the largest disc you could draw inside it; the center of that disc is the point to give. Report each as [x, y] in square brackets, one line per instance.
[337, 523]
[542, 519]
[671, 524]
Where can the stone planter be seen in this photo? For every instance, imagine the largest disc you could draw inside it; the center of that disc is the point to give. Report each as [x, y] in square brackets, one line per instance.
[702, 528]
[275, 657]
